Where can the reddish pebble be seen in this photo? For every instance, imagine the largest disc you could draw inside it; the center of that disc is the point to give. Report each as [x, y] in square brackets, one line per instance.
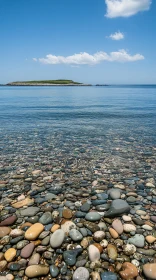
[27, 250]
[9, 221]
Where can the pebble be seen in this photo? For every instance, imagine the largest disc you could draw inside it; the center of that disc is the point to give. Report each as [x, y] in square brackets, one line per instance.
[67, 226]
[126, 218]
[33, 271]
[113, 233]
[150, 239]
[10, 254]
[117, 225]
[57, 238]
[93, 216]
[129, 271]
[99, 235]
[118, 207]
[129, 227]
[149, 270]
[94, 254]
[27, 250]
[75, 235]
[35, 259]
[129, 249]
[67, 213]
[34, 231]
[108, 276]
[81, 273]
[4, 231]
[54, 271]
[29, 212]
[115, 194]
[112, 251]
[9, 221]
[138, 240]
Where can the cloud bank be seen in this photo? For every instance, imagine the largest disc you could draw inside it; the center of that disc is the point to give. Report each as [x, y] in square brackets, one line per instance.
[126, 8]
[85, 58]
[117, 36]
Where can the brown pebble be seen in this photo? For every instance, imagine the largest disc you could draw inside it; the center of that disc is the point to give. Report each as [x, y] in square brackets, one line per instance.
[10, 254]
[4, 231]
[113, 233]
[34, 231]
[129, 271]
[54, 228]
[67, 213]
[100, 248]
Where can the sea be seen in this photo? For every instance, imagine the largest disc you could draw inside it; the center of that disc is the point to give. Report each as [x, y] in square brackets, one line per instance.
[93, 125]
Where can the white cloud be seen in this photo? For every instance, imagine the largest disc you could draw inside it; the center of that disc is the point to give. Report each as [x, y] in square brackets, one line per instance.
[126, 8]
[88, 59]
[34, 59]
[117, 36]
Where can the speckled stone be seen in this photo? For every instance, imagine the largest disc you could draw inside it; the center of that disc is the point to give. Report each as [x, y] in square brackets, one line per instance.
[81, 273]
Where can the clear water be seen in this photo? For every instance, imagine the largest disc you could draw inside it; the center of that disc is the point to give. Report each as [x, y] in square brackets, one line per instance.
[109, 129]
[86, 111]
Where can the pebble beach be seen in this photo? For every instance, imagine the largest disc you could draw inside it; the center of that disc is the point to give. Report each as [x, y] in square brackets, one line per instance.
[77, 206]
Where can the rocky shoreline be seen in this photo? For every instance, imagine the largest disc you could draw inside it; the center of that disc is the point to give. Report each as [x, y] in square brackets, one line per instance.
[77, 213]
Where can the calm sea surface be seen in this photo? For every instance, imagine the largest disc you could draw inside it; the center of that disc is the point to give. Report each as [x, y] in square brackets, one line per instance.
[86, 111]
[85, 130]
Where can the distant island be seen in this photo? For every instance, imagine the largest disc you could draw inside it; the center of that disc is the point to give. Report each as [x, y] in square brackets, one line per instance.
[60, 82]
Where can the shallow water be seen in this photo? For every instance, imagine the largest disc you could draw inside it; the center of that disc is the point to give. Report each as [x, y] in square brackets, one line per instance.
[89, 123]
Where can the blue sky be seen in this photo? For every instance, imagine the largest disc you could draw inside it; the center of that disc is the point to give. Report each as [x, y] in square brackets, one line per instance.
[91, 41]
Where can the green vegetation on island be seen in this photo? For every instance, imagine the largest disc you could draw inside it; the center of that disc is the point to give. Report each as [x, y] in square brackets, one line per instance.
[60, 82]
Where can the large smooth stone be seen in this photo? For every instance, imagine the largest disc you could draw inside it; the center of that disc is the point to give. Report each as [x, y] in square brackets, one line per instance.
[57, 238]
[4, 231]
[70, 256]
[118, 226]
[33, 271]
[81, 273]
[75, 235]
[149, 270]
[34, 231]
[94, 254]
[118, 207]
[138, 240]
[93, 216]
[46, 218]
[9, 221]
[27, 250]
[29, 212]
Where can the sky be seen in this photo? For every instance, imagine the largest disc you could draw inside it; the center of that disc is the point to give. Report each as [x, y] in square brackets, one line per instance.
[89, 41]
